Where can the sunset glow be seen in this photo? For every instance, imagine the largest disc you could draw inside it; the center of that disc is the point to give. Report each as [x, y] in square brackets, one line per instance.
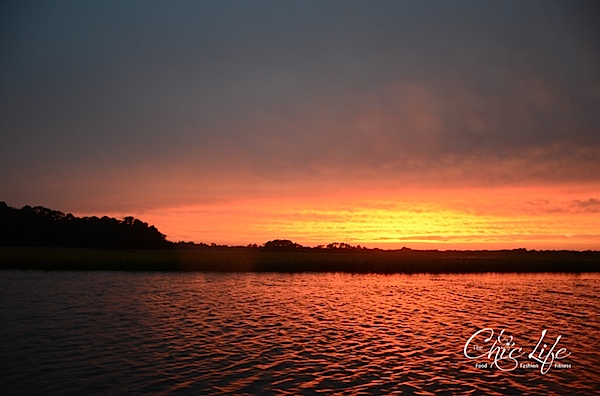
[471, 219]
[386, 124]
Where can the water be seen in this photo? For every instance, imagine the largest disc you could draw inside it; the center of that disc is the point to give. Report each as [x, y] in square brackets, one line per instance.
[204, 333]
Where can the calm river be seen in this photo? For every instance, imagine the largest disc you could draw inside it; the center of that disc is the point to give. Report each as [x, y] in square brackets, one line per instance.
[203, 333]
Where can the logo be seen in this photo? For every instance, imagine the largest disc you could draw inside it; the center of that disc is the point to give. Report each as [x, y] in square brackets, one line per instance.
[502, 352]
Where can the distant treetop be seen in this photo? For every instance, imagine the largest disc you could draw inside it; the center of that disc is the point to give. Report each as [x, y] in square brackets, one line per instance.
[282, 244]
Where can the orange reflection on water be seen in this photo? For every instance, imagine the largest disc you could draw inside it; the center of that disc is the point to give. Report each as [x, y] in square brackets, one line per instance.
[293, 332]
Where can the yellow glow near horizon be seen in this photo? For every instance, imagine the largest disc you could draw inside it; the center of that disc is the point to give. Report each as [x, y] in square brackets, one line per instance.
[465, 219]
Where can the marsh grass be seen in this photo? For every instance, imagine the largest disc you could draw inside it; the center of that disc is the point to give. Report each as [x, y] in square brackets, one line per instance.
[258, 260]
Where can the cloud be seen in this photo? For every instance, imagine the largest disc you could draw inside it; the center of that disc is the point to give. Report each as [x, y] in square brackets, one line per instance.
[560, 207]
[591, 205]
[107, 105]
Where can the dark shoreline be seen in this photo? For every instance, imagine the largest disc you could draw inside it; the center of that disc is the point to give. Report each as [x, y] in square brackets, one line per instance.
[260, 260]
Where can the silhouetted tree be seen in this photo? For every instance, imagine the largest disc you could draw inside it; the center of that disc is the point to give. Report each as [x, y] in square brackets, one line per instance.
[281, 244]
[41, 226]
[342, 246]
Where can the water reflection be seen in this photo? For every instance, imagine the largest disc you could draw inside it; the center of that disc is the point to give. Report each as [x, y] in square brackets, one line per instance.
[289, 333]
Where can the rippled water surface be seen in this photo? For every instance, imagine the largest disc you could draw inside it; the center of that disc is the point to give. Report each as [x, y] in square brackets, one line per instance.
[198, 333]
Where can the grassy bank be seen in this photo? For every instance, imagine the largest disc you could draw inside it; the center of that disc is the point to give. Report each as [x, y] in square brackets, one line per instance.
[257, 260]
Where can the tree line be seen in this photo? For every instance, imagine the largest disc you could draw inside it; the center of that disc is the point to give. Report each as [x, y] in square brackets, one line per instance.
[279, 245]
[43, 227]
[286, 244]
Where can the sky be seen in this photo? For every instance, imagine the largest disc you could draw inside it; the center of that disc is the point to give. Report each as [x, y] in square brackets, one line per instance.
[425, 124]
